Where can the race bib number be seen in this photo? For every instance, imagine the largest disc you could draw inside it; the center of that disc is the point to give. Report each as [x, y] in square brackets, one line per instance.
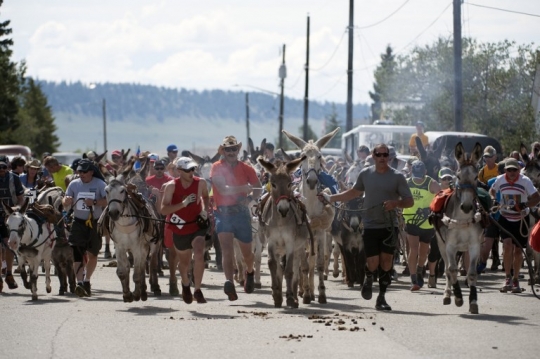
[177, 221]
[81, 206]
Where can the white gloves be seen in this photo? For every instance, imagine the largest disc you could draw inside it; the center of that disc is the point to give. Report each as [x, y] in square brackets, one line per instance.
[189, 199]
[203, 214]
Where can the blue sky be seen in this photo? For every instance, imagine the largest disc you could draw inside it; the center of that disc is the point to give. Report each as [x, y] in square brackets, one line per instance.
[211, 44]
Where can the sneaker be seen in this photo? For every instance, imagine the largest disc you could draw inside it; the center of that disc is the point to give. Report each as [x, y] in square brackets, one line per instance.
[432, 281]
[415, 287]
[107, 255]
[10, 281]
[80, 291]
[507, 285]
[420, 278]
[381, 304]
[515, 286]
[229, 289]
[87, 288]
[249, 285]
[406, 271]
[367, 289]
[481, 267]
[199, 297]
[1, 284]
[186, 294]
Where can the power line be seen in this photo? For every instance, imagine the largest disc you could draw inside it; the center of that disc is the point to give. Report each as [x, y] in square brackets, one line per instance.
[333, 54]
[505, 10]
[383, 20]
[330, 89]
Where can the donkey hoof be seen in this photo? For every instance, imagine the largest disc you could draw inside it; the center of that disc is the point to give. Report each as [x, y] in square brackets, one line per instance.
[61, 292]
[34, 297]
[144, 296]
[277, 304]
[49, 290]
[335, 274]
[447, 301]
[128, 298]
[27, 286]
[258, 285]
[322, 299]
[473, 308]
[292, 303]
[241, 283]
[136, 297]
[459, 302]
[157, 292]
[306, 299]
[325, 277]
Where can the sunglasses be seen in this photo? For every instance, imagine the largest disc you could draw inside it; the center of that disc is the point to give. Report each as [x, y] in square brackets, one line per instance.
[511, 170]
[83, 171]
[231, 149]
[192, 169]
[116, 157]
[446, 178]
[382, 154]
[159, 168]
[3, 167]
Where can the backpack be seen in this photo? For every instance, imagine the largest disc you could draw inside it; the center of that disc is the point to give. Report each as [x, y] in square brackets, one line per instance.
[534, 239]
[437, 203]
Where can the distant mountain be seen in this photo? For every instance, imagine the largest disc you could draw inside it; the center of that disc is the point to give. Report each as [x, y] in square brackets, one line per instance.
[153, 117]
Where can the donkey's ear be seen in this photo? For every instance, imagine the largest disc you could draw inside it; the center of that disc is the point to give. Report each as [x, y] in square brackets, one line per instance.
[476, 154]
[459, 152]
[7, 208]
[292, 165]
[421, 149]
[100, 157]
[268, 166]
[197, 159]
[25, 205]
[524, 153]
[216, 157]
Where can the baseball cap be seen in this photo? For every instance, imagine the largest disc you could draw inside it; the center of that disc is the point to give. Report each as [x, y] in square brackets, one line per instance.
[418, 169]
[420, 123]
[4, 160]
[85, 165]
[489, 151]
[446, 172]
[172, 148]
[153, 157]
[511, 163]
[116, 153]
[185, 163]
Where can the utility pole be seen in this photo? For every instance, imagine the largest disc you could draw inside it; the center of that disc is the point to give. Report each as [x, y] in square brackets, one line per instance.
[104, 126]
[247, 116]
[306, 96]
[458, 71]
[348, 125]
[282, 76]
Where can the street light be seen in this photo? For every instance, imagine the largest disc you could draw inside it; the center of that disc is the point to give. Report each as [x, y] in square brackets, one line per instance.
[92, 86]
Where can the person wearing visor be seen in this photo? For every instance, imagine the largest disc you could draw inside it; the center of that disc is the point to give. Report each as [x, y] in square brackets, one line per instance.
[517, 195]
[232, 182]
[86, 197]
[184, 199]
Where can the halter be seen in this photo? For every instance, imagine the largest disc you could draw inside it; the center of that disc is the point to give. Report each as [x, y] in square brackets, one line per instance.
[20, 232]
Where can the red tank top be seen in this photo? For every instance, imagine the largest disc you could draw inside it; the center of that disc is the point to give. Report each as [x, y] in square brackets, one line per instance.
[186, 214]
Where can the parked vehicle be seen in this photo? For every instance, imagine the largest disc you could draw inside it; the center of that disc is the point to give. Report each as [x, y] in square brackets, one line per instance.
[16, 150]
[449, 139]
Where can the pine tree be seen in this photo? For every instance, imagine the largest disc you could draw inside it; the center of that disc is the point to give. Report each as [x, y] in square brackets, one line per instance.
[331, 124]
[383, 83]
[9, 85]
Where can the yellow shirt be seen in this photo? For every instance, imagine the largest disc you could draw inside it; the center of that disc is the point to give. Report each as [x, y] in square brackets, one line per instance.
[486, 174]
[59, 176]
[423, 137]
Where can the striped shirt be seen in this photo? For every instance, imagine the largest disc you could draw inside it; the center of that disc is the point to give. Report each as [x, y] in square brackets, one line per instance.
[512, 194]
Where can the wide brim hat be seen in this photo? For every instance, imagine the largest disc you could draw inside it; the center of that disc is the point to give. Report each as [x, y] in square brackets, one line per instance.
[34, 164]
[229, 141]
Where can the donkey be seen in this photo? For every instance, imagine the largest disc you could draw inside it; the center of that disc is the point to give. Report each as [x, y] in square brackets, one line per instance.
[286, 231]
[320, 215]
[460, 227]
[32, 241]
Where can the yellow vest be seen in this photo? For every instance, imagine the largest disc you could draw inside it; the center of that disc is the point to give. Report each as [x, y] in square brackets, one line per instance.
[422, 199]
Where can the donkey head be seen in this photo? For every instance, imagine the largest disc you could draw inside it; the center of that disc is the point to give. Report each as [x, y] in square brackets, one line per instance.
[532, 165]
[467, 176]
[16, 223]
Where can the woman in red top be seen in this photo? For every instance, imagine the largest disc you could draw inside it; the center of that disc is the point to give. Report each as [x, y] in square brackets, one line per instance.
[184, 199]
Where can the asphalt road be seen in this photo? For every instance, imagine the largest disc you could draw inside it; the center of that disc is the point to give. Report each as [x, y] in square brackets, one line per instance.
[419, 326]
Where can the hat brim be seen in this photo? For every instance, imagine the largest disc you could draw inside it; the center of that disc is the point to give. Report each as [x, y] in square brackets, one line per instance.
[221, 147]
[511, 166]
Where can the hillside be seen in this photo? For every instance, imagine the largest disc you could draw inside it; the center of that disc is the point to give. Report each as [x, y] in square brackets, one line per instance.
[153, 117]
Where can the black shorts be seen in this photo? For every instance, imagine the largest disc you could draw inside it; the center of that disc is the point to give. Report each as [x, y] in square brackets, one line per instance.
[424, 235]
[515, 228]
[4, 233]
[84, 237]
[492, 231]
[380, 240]
[184, 242]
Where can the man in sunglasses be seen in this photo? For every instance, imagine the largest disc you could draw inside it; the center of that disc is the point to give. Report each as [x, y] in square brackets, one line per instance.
[490, 169]
[156, 181]
[232, 182]
[384, 189]
[184, 199]
[517, 194]
[12, 193]
[86, 196]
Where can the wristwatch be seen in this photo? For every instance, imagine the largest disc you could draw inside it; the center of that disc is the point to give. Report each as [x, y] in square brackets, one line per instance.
[95, 202]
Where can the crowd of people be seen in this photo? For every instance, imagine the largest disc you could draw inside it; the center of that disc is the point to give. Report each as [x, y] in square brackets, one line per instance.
[183, 198]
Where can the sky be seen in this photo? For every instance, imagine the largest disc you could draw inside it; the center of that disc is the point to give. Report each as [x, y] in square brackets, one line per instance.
[237, 44]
